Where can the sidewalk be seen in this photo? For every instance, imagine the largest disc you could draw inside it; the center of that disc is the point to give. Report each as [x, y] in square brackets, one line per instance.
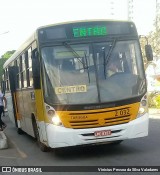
[3, 141]
[154, 111]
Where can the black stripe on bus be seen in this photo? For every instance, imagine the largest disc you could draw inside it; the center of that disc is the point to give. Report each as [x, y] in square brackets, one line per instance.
[97, 106]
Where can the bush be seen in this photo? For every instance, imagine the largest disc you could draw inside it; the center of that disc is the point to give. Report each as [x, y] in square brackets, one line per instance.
[154, 100]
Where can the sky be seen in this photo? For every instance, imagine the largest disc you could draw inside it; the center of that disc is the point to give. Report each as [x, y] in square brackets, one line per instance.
[19, 18]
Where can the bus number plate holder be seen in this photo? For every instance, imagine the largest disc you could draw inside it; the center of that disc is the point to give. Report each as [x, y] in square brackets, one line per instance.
[102, 133]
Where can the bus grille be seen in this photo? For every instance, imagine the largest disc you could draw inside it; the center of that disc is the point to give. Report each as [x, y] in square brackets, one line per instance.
[100, 122]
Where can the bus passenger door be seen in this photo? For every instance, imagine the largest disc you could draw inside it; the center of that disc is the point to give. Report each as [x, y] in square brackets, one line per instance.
[11, 97]
[17, 99]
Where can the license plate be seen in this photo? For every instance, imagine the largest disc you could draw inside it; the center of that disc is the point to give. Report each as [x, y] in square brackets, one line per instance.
[102, 133]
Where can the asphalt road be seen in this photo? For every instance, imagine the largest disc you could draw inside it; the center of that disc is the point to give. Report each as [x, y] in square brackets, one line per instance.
[23, 151]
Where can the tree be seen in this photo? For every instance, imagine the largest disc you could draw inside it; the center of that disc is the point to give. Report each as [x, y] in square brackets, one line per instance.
[143, 42]
[154, 37]
[3, 59]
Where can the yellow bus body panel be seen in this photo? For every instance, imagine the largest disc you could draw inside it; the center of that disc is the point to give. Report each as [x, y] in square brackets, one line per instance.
[99, 117]
[25, 106]
[39, 105]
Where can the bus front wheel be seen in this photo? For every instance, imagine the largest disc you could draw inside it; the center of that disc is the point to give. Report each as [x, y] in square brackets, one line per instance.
[116, 142]
[19, 131]
[42, 146]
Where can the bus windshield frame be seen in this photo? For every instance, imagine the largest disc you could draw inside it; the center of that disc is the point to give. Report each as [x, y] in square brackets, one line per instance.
[89, 82]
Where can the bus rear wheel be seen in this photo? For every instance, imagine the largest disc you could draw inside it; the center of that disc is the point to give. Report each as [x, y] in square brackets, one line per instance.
[42, 146]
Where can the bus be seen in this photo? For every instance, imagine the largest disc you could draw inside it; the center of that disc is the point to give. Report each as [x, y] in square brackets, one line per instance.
[61, 90]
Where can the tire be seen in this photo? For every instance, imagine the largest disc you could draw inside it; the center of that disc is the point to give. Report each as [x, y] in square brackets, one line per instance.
[20, 131]
[59, 151]
[42, 146]
[116, 142]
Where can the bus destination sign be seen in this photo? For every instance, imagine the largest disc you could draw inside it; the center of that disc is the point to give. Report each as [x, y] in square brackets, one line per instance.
[79, 32]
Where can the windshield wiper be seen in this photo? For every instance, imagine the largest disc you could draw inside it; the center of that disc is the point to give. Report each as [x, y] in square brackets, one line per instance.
[85, 64]
[75, 54]
[106, 58]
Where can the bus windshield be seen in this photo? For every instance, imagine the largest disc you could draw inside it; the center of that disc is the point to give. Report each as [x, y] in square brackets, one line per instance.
[94, 72]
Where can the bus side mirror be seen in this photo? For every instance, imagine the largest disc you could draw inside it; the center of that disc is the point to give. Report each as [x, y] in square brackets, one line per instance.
[149, 53]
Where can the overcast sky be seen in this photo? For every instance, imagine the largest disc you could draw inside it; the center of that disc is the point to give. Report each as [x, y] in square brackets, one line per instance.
[22, 17]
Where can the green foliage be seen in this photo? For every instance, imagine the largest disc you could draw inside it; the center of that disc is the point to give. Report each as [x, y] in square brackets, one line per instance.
[8, 54]
[143, 42]
[154, 37]
[3, 59]
[154, 100]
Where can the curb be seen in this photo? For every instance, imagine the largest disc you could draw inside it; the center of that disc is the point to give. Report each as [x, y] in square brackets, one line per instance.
[3, 141]
[153, 111]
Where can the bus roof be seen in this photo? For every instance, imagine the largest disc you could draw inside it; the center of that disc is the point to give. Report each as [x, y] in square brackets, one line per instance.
[82, 21]
[34, 35]
[20, 49]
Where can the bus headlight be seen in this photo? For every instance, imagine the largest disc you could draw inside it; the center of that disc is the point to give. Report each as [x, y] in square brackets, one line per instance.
[54, 118]
[141, 110]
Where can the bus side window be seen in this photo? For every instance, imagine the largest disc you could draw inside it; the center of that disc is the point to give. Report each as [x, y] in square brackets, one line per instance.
[24, 70]
[4, 81]
[7, 79]
[16, 65]
[29, 67]
[18, 74]
[21, 74]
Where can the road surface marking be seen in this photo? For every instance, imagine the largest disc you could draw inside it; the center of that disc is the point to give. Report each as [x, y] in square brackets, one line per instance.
[21, 153]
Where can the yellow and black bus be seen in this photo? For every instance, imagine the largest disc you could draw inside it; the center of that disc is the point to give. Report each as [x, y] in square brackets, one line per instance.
[61, 90]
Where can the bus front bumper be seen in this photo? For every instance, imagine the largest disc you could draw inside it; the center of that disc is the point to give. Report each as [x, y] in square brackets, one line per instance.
[59, 136]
